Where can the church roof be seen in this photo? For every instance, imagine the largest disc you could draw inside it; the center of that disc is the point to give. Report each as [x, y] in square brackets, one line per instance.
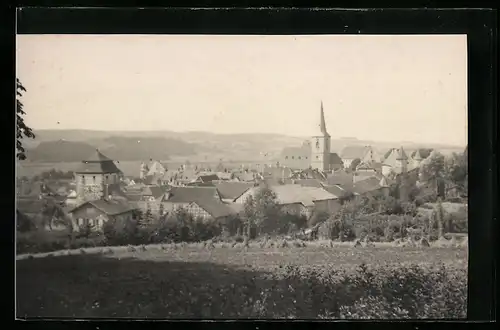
[401, 154]
[97, 157]
[98, 163]
[322, 124]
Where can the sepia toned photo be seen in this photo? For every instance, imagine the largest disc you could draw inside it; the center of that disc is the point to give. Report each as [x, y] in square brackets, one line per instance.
[241, 176]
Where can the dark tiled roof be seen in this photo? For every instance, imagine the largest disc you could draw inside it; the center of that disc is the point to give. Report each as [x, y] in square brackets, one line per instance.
[98, 167]
[215, 208]
[209, 178]
[232, 190]
[98, 157]
[98, 163]
[134, 197]
[367, 185]
[353, 152]
[340, 178]
[155, 191]
[420, 154]
[107, 206]
[309, 183]
[336, 190]
[190, 194]
[335, 158]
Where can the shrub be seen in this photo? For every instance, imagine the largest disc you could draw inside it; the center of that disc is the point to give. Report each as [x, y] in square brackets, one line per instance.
[121, 231]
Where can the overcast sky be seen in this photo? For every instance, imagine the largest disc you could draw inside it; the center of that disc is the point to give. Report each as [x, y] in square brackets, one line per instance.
[386, 88]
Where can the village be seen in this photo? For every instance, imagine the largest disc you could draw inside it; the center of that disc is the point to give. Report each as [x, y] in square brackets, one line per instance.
[306, 181]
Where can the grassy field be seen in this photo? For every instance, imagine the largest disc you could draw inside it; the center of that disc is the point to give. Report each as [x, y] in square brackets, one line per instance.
[225, 282]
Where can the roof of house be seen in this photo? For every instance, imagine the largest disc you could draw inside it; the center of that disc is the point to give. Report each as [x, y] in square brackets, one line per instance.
[421, 153]
[134, 197]
[309, 183]
[367, 185]
[335, 158]
[155, 191]
[98, 163]
[336, 190]
[208, 177]
[364, 166]
[156, 167]
[309, 173]
[353, 152]
[340, 178]
[232, 190]
[294, 193]
[189, 194]
[224, 175]
[107, 206]
[215, 208]
[245, 176]
[72, 194]
[277, 172]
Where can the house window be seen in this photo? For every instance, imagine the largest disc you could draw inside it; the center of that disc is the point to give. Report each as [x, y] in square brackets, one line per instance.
[93, 178]
[317, 157]
[286, 157]
[299, 157]
[293, 157]
[306, 157]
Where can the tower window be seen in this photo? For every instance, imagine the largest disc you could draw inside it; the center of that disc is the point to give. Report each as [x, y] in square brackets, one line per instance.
[317, 157]
[93, 178]
[299, 157]
[306, 157]
[293, 157]
[286, 157]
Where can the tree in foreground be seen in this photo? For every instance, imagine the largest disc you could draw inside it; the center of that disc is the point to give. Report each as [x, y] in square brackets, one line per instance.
[22, 129]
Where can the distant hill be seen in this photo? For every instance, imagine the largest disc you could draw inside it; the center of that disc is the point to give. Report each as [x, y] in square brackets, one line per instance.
[60, 151]
[119, 148]
[72, 145]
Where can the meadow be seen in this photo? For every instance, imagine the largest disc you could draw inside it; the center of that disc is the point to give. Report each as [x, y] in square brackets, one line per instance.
[195, 281]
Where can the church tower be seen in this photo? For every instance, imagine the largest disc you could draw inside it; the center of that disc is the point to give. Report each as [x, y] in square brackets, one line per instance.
[320, 146]
[95, 176]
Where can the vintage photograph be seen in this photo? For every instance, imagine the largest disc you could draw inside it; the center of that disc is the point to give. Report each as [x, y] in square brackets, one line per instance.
[241, 176]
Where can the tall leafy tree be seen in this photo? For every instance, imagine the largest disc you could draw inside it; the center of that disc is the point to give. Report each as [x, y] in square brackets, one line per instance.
[22, 129]
[433, 170]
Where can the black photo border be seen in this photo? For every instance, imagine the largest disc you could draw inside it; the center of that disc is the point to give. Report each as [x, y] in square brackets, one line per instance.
[480, 25]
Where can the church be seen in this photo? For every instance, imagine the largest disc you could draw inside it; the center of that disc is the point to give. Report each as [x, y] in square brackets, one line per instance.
[314, 153]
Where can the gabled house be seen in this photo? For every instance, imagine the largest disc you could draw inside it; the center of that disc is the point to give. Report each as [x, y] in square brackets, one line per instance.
[181, 197]
[298, 200]
[98, 212]
[229, 191]
[366, 154]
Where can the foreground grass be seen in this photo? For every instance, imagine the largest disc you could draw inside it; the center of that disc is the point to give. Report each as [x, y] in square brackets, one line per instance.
[312, 282]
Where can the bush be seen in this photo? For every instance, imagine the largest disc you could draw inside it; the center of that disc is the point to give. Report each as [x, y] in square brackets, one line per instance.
[379, 292]
[121, 231]
[40, 241]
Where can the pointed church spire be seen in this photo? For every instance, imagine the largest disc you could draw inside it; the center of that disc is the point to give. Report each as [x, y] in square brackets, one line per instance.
[322, 124]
